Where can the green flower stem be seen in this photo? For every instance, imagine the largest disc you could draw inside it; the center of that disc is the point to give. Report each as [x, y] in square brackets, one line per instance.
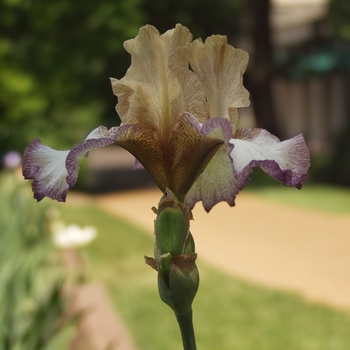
[187, 331]
[175, 262]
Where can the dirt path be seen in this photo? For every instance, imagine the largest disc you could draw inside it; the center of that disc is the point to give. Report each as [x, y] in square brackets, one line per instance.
[293, 249]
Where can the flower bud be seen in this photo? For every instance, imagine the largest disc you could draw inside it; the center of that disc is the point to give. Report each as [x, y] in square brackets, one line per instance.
[178, 277]
[182, 285]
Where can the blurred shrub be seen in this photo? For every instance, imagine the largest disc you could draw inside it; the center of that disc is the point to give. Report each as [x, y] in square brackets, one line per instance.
[56, 58]
[31, 305]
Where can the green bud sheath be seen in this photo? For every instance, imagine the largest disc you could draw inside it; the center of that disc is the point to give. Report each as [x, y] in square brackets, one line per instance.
[164, 263]
[172, 225]
[182, 285]
[175, 257]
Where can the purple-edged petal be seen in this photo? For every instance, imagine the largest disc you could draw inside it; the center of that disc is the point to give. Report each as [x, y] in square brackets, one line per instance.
[286, 161]
[228, 171]
[54, 172]
[46, 167]
[99, 137]
[217, 182]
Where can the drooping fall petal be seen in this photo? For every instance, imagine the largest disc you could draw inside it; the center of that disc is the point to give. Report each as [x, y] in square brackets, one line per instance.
[178, 163]
[286, 161]
[216, 184]
[228, 171]
[191, 151]
[54, 172]
[46, 167]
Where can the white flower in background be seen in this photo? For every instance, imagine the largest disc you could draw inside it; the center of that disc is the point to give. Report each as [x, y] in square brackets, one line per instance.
[72, 235]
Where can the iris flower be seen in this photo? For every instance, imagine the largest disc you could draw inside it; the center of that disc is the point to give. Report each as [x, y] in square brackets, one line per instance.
[178, 104]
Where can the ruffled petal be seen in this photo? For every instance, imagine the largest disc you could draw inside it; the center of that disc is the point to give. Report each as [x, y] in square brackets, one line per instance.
[220, 69]
[158, 86]
[54, 172]
[228, 171]
[286, 161]
[46, 167]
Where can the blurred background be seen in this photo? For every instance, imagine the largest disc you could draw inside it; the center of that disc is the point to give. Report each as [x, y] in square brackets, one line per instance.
[56, 60]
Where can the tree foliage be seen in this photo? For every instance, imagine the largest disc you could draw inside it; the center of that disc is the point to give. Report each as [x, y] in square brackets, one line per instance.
[55, 62]
[202, 17]
[340, 18]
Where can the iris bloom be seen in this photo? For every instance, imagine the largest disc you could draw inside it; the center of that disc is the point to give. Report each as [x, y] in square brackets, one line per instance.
[180, 124]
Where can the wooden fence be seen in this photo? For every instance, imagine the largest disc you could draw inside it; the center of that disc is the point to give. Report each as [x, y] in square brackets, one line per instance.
[317, 107]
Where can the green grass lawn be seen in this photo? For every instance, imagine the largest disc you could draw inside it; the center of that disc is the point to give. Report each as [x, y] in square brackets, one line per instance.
[319, 197]
[229, 313]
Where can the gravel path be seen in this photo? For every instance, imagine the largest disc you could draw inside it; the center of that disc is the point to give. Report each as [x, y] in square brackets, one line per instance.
[284, 247]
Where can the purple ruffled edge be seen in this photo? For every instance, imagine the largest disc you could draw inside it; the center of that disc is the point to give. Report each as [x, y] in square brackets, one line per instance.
[288, 177]
[59, 189]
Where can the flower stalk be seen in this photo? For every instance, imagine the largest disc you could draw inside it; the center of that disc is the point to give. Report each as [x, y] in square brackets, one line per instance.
[187, 331]
[174, 260]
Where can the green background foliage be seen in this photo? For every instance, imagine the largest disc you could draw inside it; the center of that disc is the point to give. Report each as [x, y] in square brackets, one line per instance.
[31, 276]
[56, 59]
[55, 62]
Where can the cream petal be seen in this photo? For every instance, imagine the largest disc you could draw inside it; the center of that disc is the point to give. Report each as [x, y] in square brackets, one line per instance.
[286, 161]
[158, 86]
[54, 172]
[220, 69]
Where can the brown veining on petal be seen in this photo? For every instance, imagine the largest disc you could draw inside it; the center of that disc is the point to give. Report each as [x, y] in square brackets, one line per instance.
[251, 134]
[190, 153]
[243, 133]
[178, 163]
[145, 145]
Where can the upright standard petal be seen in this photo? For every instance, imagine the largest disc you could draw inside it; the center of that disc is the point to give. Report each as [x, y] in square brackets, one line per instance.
[158, 86]
[220, 69]
[54, 172]
[286, 161]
